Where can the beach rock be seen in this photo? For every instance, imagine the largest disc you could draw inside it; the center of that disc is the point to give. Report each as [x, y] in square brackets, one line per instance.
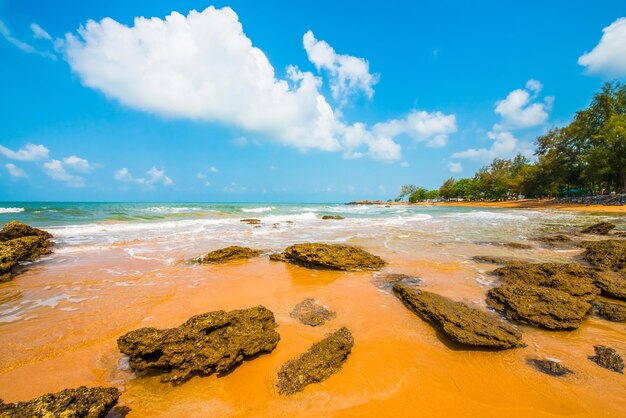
[571, 278]
[612, 284]
[553, 368]
[213, 342]
[517, 245]
[608, 358]
[494, 260]
[606, 255]
[332, 257]
[332, 217]
[540, 306]
[251, 221]
[69, 403]
[311, 313]
[322, 360]
[20, 242]
[386, 281]
[458, 321]
[612, 311]
[601, 228]
[552, 239]
[224, 255]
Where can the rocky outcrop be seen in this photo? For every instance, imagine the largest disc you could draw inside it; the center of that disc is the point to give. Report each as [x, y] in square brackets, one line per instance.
[332, 217]
[607, 358]
[612, 311]
[18, 243]
[322, 360]
[224, 255]
[606, 255]
[331, 257]
[570, 278]
[251, 221]
[553, 368]
[553, 239]
[612, 284]
[208, 343]
[539, 306]
[69, 403]
[311, 313]
[458, 321]
[517, 245]
[601, 228]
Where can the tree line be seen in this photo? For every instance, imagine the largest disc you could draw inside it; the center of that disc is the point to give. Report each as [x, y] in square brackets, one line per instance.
[586, 157]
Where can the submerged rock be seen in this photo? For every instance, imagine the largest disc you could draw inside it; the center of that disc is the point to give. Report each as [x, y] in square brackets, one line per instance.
[552, 239]
[612, 311]
[20, 242]
[322, 360]
[458, 321]
[251, 221]
[311, 313]
[540, 306]
[571, 278]
[606, 255]
[553, 368]
[71, 403]
[608, 358]
[386, 281]
[331, 256]
[332, 217]
[517, 245]
[601, 228]
[208, 343]
[494, 260]
[227, 254]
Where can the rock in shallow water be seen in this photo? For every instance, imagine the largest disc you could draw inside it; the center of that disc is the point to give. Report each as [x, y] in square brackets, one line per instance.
[208, 343]
[611, 311]
[20, 242]
[553, 368]
[69, 403]
[332, 217]
[224, 255]
[330, 256]
[458, 321]
[386, 281]
[601, 228]
[322, 360]
[539, 306]
[311, 313]
[607, 358]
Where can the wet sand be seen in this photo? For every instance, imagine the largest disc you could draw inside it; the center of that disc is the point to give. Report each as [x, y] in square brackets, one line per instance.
[399, 365]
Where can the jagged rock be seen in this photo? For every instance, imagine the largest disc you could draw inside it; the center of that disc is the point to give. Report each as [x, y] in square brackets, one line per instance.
[332, 257]
[608, 358]
[386, 281]
[251, 221]
[458, 321]
[539, 306]
[311, 313]
[278, 257]
[615, 312]
[606, 255]
[571, 278]
[612, 284]
[494, 260]
[227, 254]
[553, 368]
[20, 242]
[601, 228]
[69, 403]
[322, 360]
[208, 343]
[332, 217]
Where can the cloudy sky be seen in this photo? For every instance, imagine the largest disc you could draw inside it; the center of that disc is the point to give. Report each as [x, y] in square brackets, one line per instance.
[320, 102]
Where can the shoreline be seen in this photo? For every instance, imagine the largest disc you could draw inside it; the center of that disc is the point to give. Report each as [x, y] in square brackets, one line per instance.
[509, 204]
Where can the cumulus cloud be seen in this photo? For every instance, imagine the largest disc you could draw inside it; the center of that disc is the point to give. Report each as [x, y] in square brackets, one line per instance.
[26, 47]
[518, 110]
[202, 66]
[30, 152]
[504, 145]
[348, 74]
[55, 169]
[454, 167]
[154, 177]
[78, 164]
[214, 169]
[15, 171]
[433, 128]
[609, 56]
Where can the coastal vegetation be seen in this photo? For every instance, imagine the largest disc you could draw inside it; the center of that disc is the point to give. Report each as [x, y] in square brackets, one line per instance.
[588, 156]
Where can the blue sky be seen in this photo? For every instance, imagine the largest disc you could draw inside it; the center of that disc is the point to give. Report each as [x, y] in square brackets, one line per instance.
[323, 102]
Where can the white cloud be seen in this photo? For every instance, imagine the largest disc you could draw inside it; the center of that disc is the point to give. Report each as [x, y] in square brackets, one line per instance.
[78, 164]
[348, 74]
[433, 128]
[202, 66]
[454, 167]
[201, 176]
[505, 145]
[30, 152]
[518, 111]
[609, 56]
[15, 171]
[56, 171]
[154, 177]
[39, 32]
[214, 169]
[6, 34]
